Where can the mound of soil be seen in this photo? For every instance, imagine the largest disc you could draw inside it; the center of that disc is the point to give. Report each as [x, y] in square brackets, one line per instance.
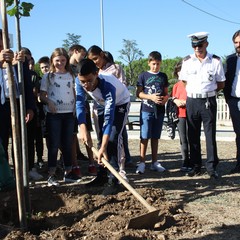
[189, 208]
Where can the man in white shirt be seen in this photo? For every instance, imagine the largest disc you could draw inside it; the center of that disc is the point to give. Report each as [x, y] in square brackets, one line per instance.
[204, 76]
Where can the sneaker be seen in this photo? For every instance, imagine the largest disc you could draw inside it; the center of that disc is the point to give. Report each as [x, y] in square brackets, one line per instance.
[194, 172]
[40, 164]
[156, 166]
[71, 177]
[185, 169]
[92, 170]
[52, 181]
[34, 175]
[213, 175]
[76, 171]
[141, 168]
[122, 173]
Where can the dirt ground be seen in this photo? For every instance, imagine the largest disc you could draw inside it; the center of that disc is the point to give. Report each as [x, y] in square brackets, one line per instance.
[190, 208]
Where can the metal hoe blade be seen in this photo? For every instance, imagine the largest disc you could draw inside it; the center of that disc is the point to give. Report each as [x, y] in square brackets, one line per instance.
[145, 221]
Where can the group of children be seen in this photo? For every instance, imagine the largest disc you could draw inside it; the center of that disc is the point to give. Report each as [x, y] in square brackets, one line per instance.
[65, 90]
[69, 80]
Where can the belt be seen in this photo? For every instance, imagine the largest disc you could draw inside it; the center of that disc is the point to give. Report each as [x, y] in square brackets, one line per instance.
[202, 95]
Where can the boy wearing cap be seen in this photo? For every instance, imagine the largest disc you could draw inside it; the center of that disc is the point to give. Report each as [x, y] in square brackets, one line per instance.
[204, 76]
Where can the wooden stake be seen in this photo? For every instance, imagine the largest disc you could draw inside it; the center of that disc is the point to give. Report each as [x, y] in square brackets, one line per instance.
[15, 124]
[22, 118]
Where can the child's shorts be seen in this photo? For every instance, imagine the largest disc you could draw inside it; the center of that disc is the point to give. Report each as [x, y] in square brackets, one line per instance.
[150, 126]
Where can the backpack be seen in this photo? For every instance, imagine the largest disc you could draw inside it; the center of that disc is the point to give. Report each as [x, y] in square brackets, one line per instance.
[172, 118]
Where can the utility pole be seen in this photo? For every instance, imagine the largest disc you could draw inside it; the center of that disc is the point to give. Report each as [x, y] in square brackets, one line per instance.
[102, 24]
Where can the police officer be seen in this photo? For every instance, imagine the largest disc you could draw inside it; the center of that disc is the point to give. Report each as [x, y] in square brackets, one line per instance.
[204, 76]
[232, 92]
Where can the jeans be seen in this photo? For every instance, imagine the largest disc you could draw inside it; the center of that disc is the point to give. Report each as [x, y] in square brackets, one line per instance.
[60, 129]
[151, 127]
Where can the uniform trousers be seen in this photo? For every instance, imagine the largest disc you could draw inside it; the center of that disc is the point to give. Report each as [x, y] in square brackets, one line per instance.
[234, 107]
[198, 114]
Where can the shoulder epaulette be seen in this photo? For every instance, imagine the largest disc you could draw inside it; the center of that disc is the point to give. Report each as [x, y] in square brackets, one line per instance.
[215, 56]
[186, 58]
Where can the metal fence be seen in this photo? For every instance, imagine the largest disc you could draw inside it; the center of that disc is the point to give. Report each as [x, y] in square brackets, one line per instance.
[222, 110]
[223, 115]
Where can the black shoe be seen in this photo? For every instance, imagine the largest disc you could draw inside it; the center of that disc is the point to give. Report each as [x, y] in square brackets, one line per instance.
[185, 169]
[235, 170]
[98, 181]
[40, 164]
[213, 175]
[71, 177]
[194, 172]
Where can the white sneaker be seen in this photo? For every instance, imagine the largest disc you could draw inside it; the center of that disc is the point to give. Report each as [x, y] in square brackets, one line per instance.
[141, 168]
[122, 173]
[156, 166]
[52, 181]
[34, 175]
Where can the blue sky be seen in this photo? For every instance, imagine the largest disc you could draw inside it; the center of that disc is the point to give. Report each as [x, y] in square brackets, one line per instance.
[161, 25]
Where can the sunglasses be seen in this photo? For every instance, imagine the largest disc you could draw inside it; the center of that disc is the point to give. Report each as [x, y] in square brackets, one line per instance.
[198, 45]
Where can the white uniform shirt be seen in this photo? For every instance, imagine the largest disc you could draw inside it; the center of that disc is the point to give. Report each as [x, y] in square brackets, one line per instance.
[236, 82]
[202, 77]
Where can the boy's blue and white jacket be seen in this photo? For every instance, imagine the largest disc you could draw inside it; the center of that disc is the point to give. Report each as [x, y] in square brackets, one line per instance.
[110, 92]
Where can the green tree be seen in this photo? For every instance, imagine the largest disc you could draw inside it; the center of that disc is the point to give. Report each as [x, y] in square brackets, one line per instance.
[129, 54]
[23, 9]
[71, 40]
[134, 69]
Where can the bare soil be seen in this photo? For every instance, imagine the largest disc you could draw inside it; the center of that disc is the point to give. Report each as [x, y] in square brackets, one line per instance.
[190, 208]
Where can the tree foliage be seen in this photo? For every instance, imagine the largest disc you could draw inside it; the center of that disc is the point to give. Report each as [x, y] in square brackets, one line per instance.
[22, 9]
[129, 54]
[135, 64]
[134, 69]
[72, 39]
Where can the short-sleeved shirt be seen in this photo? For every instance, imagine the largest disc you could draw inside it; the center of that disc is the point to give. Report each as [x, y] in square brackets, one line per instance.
[179, 92]
[202, 77]
[152, 83]
[60, 90]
